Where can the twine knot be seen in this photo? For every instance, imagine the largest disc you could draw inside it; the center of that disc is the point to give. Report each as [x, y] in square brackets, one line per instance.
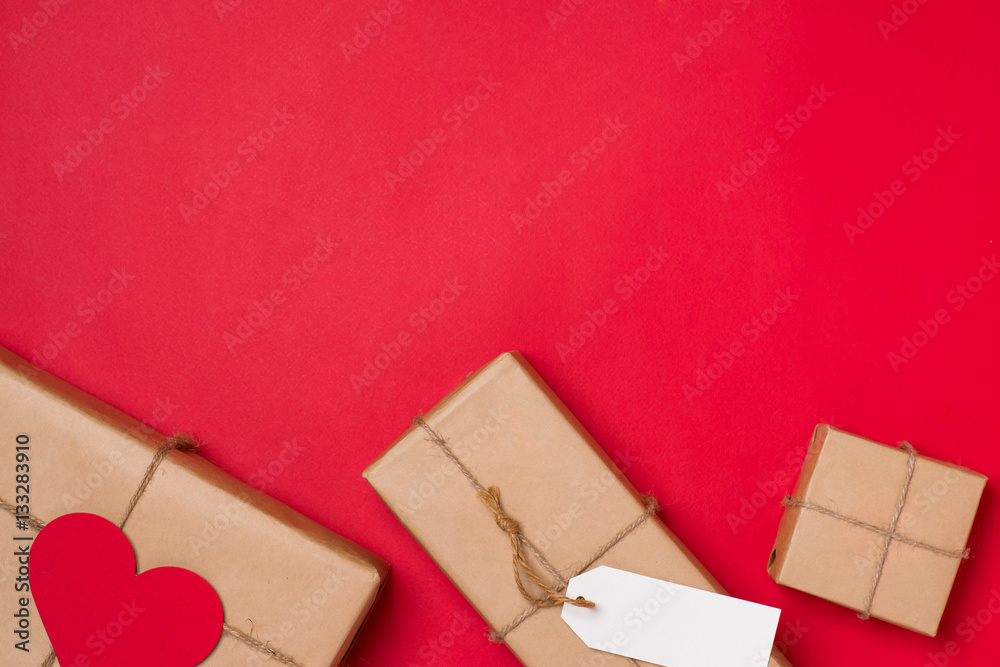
[491, 498]
[519, 544]
[551, 597]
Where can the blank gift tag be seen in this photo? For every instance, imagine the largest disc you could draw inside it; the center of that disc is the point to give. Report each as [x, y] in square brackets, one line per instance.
[668, 624]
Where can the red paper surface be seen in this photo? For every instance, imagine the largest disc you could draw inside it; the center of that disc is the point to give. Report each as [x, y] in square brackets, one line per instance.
[96, 611]
[162, 346]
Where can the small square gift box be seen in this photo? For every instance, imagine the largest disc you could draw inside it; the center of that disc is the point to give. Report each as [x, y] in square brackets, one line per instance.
[500, 470]
[879, 529]
[293, 592]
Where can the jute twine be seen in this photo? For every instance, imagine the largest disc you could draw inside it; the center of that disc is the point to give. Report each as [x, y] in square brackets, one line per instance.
[180, 443]
[521, 546]
[889, 534]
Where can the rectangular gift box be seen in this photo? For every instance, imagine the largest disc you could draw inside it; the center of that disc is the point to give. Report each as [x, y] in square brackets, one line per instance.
[283, 579]
[509, 430]
[833, 533]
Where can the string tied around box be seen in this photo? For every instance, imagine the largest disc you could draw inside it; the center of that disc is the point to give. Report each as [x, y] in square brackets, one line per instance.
[889, 533]
[521, 546]
[180, 443]
[552, 597]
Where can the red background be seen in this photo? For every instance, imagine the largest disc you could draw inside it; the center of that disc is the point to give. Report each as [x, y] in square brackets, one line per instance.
[160, 342]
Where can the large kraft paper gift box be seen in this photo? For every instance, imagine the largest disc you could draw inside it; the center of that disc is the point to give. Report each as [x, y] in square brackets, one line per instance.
[293, 592]
[508, 429]
[879, 529]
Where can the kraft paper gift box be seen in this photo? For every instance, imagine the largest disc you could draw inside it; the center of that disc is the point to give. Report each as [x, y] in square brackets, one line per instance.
[283, 580]
[879, 529]
[510, 431]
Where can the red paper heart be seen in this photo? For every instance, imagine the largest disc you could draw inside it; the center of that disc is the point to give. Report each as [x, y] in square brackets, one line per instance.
[98, 613]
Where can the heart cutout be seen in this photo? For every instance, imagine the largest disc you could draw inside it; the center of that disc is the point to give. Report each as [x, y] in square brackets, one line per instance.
[98, 613]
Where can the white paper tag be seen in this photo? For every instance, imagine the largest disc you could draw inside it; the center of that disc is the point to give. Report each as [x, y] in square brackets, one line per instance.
[669, 624]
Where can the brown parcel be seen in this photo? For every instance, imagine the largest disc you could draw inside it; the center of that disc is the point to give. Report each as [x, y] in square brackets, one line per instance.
[837, 560]
[512, 432]
[281, 577]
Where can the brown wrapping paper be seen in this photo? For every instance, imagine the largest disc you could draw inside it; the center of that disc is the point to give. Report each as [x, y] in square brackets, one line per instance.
[837, 560]
[282, 578]
[511, 431]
